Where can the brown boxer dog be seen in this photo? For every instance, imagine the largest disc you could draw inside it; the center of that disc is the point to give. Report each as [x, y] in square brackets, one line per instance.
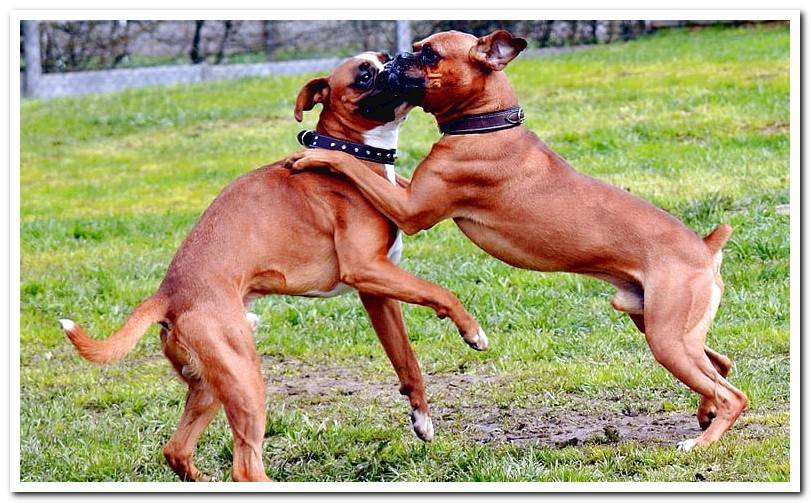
[524, 204]
[273, 231]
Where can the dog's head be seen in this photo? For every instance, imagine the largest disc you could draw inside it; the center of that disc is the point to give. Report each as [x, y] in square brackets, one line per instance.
[352, 96]
[449, 70]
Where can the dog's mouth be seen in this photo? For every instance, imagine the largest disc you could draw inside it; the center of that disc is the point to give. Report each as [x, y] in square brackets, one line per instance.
[380, 106]
[382, 103]
[396, 77]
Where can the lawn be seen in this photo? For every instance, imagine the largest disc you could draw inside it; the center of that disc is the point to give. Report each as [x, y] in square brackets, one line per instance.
[694, 121]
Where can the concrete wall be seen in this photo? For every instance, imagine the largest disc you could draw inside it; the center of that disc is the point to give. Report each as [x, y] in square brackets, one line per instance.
[50, 85]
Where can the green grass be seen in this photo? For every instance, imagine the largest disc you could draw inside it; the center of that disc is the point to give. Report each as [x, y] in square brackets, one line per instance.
[696, 122]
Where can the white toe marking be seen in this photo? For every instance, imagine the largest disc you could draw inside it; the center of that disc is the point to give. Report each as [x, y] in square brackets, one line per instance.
[686, 445]
[479, 342]
[422, 424]
[483, 342]
[253, 320]
[67, 325]
[429, 430]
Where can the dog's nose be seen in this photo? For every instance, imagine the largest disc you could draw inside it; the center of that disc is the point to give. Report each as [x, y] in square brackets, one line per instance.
[403, 59]
[400, 63]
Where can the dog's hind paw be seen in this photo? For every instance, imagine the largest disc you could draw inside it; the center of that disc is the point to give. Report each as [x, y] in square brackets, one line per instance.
[478, 341]
[686, 445]
[422, 424]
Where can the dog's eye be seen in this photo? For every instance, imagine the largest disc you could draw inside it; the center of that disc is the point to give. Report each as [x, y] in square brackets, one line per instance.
[363, 80]
[364, 77]
[428, 56]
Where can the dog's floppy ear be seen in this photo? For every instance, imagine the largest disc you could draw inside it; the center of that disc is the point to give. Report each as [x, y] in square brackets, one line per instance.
[314, 91]
[497, 49]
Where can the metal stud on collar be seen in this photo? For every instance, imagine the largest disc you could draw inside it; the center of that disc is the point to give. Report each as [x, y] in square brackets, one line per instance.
[361, 150]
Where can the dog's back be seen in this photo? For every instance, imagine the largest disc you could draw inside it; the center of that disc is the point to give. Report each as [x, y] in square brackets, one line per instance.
[247, 230]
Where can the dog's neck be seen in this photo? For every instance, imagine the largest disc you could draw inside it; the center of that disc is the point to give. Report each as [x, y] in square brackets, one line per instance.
[495, 94]
[385, 136]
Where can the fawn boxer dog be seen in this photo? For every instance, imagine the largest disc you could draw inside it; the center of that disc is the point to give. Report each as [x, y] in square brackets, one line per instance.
[273, 231]
[524, 204]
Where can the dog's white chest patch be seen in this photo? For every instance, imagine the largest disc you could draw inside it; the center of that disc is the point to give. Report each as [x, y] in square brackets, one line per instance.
[395, 251]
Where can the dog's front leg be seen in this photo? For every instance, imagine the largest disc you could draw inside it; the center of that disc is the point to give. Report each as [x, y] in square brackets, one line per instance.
[387, 319]
[425, 201]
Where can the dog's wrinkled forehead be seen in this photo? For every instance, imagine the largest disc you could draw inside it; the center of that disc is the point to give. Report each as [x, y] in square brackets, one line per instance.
[372, 57]
[448, 42]
[347, 72]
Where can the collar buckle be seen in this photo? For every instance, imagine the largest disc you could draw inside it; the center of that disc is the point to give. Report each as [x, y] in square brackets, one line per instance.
[516, 117]
[484, 123]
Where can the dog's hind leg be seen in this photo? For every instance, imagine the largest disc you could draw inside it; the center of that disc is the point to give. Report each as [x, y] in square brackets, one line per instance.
[678, 311]
[639, 321]
[707, 409]
[631, 301]
[722, 363]
[387, 319]
[225, 356]
[201, 407]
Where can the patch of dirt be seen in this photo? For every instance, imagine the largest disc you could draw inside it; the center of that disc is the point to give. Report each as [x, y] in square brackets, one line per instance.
[775, 128]
[561, 427]
[458, 404]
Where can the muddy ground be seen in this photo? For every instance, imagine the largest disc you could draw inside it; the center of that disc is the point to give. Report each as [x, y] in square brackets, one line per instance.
[459, 405]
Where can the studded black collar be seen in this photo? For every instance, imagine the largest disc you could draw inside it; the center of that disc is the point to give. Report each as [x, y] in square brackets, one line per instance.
[313, 139]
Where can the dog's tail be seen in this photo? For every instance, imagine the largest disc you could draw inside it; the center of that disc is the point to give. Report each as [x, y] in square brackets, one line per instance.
[115, 347]
[716, 239]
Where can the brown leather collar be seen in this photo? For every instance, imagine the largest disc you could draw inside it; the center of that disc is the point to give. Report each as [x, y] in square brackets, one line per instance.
[484, 123]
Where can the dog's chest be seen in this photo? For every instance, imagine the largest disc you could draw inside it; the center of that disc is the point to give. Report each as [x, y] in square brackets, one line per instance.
[395, 252]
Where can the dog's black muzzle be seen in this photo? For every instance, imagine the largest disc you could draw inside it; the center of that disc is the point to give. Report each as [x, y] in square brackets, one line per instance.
[395, 76]
[381, 102]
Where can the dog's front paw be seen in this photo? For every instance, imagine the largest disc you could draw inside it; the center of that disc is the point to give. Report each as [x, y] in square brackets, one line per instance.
[291, 160]
[320, 158]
